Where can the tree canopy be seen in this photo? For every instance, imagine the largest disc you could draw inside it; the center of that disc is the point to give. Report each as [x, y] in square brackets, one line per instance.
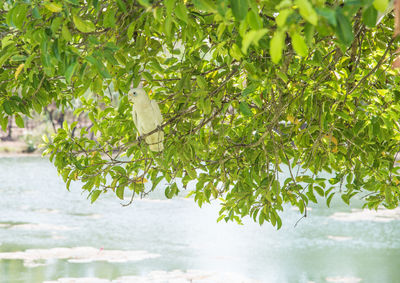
[247, 89]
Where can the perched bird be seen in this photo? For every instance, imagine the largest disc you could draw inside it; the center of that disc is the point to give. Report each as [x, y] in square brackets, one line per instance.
[147, 117]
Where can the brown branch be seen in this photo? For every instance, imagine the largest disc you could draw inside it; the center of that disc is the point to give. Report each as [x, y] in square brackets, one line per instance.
[380, 62]
[39, 86]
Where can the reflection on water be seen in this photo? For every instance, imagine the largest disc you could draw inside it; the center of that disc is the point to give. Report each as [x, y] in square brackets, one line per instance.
[178, 240]
[78, 254]
[35, 226]
[383, 215]
[198, 276]
[340, 279]
[339, 238]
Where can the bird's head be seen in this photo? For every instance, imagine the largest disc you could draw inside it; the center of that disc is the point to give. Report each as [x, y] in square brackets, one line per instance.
[137, 95]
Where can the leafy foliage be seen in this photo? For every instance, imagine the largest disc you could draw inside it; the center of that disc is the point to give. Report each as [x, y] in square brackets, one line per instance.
[247, 89]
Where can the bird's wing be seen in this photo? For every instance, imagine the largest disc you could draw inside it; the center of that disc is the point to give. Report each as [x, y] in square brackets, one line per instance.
[156, 112]
[136, 120]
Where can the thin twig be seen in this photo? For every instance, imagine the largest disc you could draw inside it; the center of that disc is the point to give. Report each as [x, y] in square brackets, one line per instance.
[380, 62]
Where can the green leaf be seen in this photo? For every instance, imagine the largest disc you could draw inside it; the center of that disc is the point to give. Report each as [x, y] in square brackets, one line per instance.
[345, 199]
[53, 7]
[278, 220]
[144, 3]
[254, 20]
[207, 106]
[202, 83]
[276, 46]
[222, 216]
[121, 5]
[95, 4]
[282, 17]
[370, 16]
[4, 123]
[172, 190]
[275, 187]
[36, 13]
[252, 36]
[248, 90]
[344, 29]
[99, 66]
[235, 52]
[192, 173]
[95, 195]
[380, 5]
[239, 9]
[181, 12]
[319, 190]
[245, 109]
[66, 33]
[206, 5]
[45, 138]
[109, 19]
[307, 11]
[299, 44]
[70, 71]
[19, 121]
[169, 5]
[120, 192]
[84, 26]
[300, 205]
[65, 125]
[329, 199]
[74, 2]
[309, 31]
[55, 49]
[10, 16]
[328, 14]
[121, 170]
[20, 15]
[7, 107]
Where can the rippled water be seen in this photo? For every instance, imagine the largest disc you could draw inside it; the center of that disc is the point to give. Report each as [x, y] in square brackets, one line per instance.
[50, 234]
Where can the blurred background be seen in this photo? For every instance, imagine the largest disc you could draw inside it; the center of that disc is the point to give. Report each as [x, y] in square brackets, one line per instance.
[49, 234]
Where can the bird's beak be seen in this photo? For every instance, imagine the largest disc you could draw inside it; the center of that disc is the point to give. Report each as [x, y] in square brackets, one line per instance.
[129, 99]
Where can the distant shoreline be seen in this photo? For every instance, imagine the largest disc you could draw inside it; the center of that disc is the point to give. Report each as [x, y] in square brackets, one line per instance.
[16, 149]
[19, 154]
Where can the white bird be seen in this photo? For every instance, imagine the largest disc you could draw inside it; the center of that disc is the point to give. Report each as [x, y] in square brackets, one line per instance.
[147, 117]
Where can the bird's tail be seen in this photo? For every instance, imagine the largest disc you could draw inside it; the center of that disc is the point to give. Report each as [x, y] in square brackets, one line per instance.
[155, 141]
[156, 147]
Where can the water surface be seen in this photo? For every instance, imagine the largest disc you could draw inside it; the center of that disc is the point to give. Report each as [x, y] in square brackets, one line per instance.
[160, 240]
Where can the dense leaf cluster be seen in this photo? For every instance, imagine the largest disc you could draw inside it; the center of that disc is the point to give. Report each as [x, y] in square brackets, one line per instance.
[247, 89]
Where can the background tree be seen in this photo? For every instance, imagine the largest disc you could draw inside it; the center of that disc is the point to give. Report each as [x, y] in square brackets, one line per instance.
[247, 89]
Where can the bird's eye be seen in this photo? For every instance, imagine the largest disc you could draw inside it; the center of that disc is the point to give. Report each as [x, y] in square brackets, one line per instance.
[134, 93]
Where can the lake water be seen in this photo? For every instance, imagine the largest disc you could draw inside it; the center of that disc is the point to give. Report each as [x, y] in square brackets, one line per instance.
[50, 234]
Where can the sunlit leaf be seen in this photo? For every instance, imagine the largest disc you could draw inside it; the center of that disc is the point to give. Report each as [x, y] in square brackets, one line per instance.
[94, 195]
[181, 12]
[19, 70]
[141, 180]
[83, 25]
[307, 11]
[53, 7]
[276, 46]
[299, 44]
[380, 5]
[252, 37]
